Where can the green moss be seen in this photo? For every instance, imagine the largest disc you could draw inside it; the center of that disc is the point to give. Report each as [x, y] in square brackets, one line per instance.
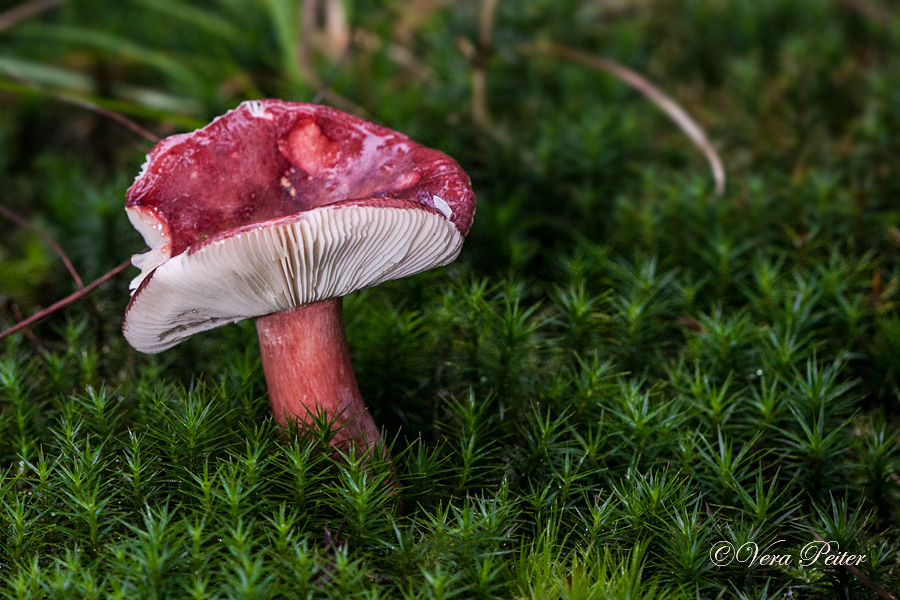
[621, 371]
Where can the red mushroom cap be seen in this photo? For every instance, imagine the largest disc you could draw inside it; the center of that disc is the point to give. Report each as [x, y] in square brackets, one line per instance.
[275, 205]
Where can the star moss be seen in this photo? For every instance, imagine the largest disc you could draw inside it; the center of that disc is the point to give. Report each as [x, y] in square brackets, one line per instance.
[622, 371]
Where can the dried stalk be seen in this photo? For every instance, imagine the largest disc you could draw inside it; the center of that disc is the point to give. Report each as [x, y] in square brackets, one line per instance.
[47, 238]
[480, 113]
[65, 301]
[326, 85]
[85, 104]
[28, 333]
[684, 121]
[308, 14]
[862, 577]
[26, 10]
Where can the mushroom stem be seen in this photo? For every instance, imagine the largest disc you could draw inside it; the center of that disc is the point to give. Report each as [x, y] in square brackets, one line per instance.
[307, 365]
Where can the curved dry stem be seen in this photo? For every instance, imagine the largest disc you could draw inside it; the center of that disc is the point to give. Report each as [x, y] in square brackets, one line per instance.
[684, 121]
[85, 104]
[871, 11]
[480, 113]
[862, 577]
[326, 86]
[65, 301]
[28, 333]
[309, 32]
[47, 239]
[26, 10]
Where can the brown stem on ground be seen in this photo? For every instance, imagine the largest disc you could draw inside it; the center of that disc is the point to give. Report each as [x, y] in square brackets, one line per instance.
[26, 10]
[65, 301]
[681, 118]
[862, 577]
[84, 103]
[28, 333]
[23, 223]
[307, 365]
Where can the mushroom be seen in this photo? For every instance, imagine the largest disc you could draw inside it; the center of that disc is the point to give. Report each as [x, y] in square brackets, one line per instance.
[275, 211]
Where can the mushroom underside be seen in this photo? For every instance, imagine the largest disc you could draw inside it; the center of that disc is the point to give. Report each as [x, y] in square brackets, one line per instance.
[324, 253]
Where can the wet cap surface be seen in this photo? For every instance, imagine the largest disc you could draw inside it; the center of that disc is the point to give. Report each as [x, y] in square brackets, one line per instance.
[275, 205]
[269, 159]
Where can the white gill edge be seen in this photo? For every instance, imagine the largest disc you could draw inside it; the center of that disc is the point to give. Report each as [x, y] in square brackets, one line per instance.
[442, 206]
[154, 233]
[327, 254]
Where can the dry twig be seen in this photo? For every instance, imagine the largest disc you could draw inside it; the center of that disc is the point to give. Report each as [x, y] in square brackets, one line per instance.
[28, 333]
[47, 238]
[83, 103]
[109, 114]
[650, 91]
[25, 11]
[65, 301]
[308, 25]
[871, 11]
[326, 85]
[862, 577]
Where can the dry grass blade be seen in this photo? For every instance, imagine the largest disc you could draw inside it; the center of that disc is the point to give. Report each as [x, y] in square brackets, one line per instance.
[28, 333]
[340, 102]
[650, 91]
[65, 301]
[308, 33]
[49, 241]
[25, 11]
[85, 104]
[871, 11]
[338, 31]
[326, 86]
[109, 114]
[480, 113]
[862, 577]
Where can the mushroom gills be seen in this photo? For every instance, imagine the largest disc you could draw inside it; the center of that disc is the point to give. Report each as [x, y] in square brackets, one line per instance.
[323, 253]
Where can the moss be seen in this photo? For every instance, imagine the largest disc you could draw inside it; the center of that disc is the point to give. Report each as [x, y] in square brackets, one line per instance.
[621, 371]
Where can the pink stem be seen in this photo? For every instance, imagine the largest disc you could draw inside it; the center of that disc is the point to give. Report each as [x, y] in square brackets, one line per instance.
[308, 371]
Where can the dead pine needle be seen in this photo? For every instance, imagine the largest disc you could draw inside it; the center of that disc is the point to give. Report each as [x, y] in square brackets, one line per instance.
[24, 224]
[65, 301]
[109, 114]
[860, 576]
[684, 121]
[26, 10]
[869, 10]
[28, 333]
[85, 104]
[480, 112]
[57, 249]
